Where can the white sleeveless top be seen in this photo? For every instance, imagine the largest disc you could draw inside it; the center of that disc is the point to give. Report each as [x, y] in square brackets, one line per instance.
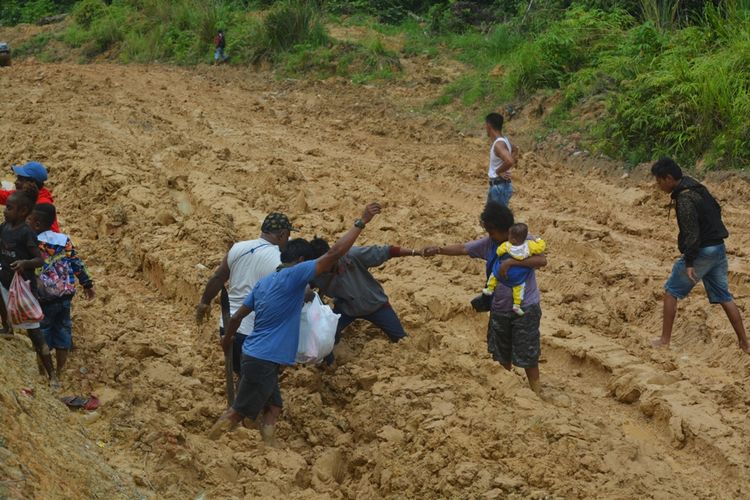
[249, 261]
[495, 161]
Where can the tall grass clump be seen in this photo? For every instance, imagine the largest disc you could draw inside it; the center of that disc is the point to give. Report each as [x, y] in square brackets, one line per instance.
[661, 13]
[691, 102]
[291, 22]
[579, 40]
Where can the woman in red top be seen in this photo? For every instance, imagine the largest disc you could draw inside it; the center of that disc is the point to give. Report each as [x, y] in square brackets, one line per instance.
[35, 173]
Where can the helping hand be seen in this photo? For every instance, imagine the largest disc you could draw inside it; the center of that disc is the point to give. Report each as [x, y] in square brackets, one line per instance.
[371, 211]
[429, 251]
[89, 293]
[202, 312]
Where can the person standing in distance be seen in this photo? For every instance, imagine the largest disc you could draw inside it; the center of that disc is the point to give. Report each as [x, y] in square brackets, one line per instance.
[501, 161]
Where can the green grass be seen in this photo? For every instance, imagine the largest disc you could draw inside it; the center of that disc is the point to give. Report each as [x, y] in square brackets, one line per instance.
[638, 78]
[34, 46]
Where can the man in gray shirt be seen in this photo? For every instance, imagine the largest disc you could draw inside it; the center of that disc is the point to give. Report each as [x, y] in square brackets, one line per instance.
[356, 292]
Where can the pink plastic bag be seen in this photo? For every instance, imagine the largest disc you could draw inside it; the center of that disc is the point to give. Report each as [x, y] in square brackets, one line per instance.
[22, 305]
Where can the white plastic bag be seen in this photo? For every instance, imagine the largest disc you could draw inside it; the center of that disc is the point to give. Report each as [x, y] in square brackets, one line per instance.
[317, 331]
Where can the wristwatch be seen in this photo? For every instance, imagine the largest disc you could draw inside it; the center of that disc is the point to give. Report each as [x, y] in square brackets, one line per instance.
[359, 223]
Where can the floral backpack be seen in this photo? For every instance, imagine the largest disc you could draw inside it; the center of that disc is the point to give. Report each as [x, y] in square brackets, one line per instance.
[55, 278]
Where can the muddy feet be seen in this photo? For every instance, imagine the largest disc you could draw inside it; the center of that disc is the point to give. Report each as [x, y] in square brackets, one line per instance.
[268, 433]
[54, 384]
[659, 344]
[224, 424]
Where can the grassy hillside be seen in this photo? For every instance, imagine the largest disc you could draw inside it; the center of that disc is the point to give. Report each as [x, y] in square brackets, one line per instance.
[637, 78]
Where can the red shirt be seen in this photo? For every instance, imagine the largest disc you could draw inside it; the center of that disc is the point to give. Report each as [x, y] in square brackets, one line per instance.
[45, 196]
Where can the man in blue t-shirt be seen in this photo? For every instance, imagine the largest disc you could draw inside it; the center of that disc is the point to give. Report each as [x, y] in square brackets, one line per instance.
[277, 301]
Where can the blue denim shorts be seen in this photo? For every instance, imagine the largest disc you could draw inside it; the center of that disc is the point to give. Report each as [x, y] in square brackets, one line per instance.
[57, 326]
[500, 193]
[711, 267]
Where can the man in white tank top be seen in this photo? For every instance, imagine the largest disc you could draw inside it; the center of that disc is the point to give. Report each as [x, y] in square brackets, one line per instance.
[501, 161]
[243, 266]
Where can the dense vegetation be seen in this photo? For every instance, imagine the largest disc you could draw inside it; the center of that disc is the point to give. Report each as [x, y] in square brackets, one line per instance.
[650, 77]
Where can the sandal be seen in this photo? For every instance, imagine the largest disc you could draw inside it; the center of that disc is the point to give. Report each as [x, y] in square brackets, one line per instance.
[90, 403]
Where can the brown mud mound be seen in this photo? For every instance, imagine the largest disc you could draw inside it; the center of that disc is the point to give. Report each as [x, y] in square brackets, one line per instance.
[157, 170]
[47, 451]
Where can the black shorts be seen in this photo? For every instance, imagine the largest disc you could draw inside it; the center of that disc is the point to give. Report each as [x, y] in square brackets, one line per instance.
[259, 387]
[515, 339]
[238, 340]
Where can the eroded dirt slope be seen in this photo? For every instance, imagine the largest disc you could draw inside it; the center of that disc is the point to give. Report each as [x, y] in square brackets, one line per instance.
[156, 171]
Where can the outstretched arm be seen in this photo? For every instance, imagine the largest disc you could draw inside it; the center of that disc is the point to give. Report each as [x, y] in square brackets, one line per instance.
[339, 249]
[213, 287]
[405, 252]
[234, 324]
[457, 249]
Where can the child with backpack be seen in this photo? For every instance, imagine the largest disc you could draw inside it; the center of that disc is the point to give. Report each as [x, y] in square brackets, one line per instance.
[56, 282]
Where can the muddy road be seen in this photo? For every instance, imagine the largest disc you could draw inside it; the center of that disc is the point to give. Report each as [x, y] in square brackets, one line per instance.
[157, 170]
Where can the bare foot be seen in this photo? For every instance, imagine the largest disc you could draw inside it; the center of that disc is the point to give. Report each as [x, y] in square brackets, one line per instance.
[54, 384]
[40, 366]
[745, 347]
[659, 344]
[267, 432]
[221, 426]
[536, 386]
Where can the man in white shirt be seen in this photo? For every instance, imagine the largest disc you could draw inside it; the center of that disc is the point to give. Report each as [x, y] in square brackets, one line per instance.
[501, 161]
[243, 266]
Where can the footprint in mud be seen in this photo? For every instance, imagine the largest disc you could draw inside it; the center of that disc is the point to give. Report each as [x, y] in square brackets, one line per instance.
[330, 466]
[556, 397]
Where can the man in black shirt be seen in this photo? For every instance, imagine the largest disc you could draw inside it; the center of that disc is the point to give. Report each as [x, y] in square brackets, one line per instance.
[701, 241]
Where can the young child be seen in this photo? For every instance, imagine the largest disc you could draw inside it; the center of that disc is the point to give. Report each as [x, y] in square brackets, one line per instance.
[32, 191]
[519, 248]
[19, 252]
[57, 282]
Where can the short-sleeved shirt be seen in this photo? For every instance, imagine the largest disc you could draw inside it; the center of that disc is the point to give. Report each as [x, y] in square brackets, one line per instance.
[502, 301]
[277, 301]
[354, 289]
[248, 262]
[16, 244]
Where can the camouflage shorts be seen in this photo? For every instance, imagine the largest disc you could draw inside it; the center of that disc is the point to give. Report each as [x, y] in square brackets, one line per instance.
[515, 339]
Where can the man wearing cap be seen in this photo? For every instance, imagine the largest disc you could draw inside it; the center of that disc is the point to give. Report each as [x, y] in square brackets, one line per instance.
[31, 175]
[243, 266]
